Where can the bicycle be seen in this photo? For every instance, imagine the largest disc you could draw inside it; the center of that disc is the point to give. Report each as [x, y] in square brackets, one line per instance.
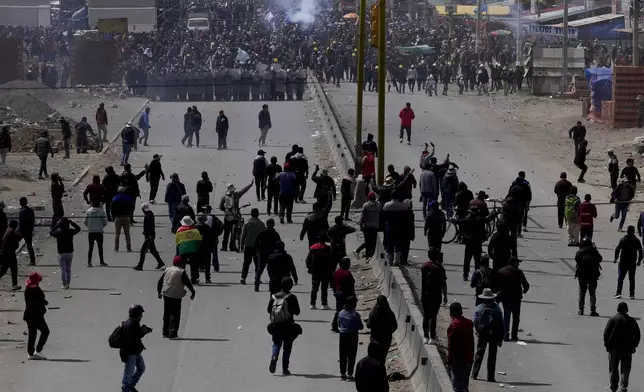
[239, 226]
[490, 227]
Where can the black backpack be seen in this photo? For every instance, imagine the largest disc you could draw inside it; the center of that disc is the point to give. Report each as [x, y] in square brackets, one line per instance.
[259, 166]
[486, 279]
[116, 338]
[217, 226]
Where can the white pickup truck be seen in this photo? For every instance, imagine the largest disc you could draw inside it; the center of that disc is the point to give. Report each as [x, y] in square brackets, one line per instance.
[199, 21]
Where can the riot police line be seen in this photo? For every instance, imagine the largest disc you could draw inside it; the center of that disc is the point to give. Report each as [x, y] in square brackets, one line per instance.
[227, 84]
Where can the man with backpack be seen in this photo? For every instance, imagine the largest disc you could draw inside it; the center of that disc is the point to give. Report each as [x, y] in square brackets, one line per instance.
[488, 324]
[433, 286]
[127, 337]
[571, 213]
[172, 288]
[260, 165]
[485, 278]
[282, 327]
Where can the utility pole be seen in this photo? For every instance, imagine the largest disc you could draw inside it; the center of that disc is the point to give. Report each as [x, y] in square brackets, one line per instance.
[636, 32]
[564, 66]
[452, 9]
[360, 84]
[382, 75]
[478, 26]
[518, 54]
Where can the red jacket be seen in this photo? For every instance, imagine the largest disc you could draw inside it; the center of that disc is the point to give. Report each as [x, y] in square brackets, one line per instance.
[406, 115]
[368, 165]
[587, 212]
[460, 341]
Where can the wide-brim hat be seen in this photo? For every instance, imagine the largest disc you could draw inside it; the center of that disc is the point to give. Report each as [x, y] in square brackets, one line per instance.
[487, 294]
[187, 221]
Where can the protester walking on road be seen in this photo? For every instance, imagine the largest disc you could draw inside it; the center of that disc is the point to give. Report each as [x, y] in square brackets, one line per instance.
[131, 348]
[629, 253]
[128, 137]
[122, 210]
[250, 233]
[64, 231]
[382, 324]
[229, 204]
[265, 124]
[42, 148]
[174, 191]
[183, 209]
[10, 243]
[488, 323]
[343, 286]
[149, 234]
[621, 196]
[57, 193]
[406, 117]
[111, 182]
[349, 324]
[613, 168]
[587, 213]
[580, 159]
[621, 339]
[288, 192]
[571, 213]
[460, 347]
[513, 286]
[154, 175]
[222, 130]
[631, 173]
[587, 272]
[144, 125]
[282, 307]
[266, 244]
[319, 264]
[26, 226]
[280, 265]
[188, 240]
[272, 186]
[500, 247]
[34, 316]
[337, 235]
[314, 224]
[369, 224]
[94, 192]
[260, 164]
[204, 189]
[435, 226]
[562, 190]
[66, 136]
[577, 134]
[347, 191]
[485, 278]
[371, 374]
[102, 121]
[433, 288]
[428, 188]
[172, 288]
[206, 245]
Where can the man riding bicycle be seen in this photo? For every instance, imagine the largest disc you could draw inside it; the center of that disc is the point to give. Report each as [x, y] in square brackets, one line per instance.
[229, 204]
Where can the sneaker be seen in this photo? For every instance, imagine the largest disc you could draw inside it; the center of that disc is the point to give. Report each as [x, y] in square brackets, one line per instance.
[16, 287]
[89, 265]
[289, 221]
[580, 312]
[159, 266]
[286, 372]
[612, 218]
[208, 281]
[104, 264]
[312, 307]
[343, 377]
[350, 377]
[282, 220]
[242, 281]
[138, 268]
[273, 365]
[409, 143]
[594, 314]
[256, 289]
[631, 297]
[401, 140]
[426, 340]
[617, 296]
[326, 307]
[36, 356]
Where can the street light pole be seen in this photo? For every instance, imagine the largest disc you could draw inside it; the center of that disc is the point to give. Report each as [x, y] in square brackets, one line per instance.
[382, 75]
[360, 84]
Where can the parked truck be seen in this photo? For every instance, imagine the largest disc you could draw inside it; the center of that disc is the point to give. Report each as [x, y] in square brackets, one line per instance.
[199, 21]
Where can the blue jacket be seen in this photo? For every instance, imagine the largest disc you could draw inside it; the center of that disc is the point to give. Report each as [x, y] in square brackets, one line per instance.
[288, 183]
[349, 321]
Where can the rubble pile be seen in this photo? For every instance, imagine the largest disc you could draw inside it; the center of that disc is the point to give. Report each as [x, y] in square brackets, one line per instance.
[24, 107]
[112, 91]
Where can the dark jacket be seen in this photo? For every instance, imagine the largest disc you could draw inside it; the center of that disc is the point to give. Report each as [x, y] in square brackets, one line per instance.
[319, 261]
[149, 229]
[264, 118]
[500, 249]
[513, 284]
[520, 190]
[266, 241]
[65, 238]
[122, 205]
[578, 132]
[629, 251]
[35, 304]
[588, 268]
[207, 240]
[271, 172]
[182, 210]
[435, 223]
[314, 224]
[324, 186]
[280, 265]
[622, 334]
[94, 193]
[111, 183]
[485, 278]
[204, 188]
[371, 376]
[155, 171]
[293, 307]
[562, 188]
[3, 223]
[174, 191]
[10, 243]
[5, 140]
[133, 333]
[222, 123]
[338, 234]
[433, 281]
[26, 221]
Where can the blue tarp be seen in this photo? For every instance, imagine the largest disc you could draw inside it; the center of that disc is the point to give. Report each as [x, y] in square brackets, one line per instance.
[600, 84]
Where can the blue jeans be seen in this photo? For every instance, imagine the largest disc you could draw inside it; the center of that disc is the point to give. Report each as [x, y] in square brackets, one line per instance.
[278, 341]
[127, 148]
[621, 209]
[215, 257]
[461, 377]
[426, 197]
[132, 372]
[172, 208]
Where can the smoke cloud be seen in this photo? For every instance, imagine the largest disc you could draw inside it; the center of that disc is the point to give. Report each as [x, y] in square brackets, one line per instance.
[305, 13]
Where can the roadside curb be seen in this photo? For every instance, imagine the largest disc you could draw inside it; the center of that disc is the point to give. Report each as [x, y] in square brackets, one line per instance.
[105, 149]
[424, 363]
[341, 152]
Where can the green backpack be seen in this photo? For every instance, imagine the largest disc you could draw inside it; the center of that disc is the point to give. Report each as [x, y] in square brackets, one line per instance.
[571, 207]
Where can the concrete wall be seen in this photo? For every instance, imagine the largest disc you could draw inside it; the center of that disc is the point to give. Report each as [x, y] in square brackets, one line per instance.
[547, 64]
[25, 15]
[138, 19]
[628, 83]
